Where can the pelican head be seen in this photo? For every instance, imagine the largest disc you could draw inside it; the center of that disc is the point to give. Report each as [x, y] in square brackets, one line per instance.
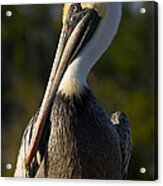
[96, 25]
[88, 29]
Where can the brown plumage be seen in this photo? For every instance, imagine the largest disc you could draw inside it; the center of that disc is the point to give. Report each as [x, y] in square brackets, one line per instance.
[80, 142]
[120, 121]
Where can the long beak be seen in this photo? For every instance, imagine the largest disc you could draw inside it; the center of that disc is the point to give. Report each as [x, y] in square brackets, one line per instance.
[72, 39]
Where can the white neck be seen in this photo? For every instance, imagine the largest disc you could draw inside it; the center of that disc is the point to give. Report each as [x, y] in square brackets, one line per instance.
[77, 72]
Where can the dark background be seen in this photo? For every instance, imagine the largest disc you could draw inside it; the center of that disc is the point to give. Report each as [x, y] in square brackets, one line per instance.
[123, 79]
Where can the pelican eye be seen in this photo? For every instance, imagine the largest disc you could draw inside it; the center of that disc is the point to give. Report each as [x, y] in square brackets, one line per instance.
[75, 13]
[75, 7]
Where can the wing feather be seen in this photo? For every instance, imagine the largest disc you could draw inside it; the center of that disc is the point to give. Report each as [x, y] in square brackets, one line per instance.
[120, 121]
[20, 170]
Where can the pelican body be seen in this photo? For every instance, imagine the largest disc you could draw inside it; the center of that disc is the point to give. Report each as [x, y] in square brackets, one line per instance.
[71, 135]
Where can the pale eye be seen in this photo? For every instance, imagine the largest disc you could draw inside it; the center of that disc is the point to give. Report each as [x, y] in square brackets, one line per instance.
[75, 7]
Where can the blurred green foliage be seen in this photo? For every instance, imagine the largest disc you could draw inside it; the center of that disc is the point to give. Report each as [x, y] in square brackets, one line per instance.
[123, 79]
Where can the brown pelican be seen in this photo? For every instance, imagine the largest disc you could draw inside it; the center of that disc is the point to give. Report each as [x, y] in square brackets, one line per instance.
[71, 136]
